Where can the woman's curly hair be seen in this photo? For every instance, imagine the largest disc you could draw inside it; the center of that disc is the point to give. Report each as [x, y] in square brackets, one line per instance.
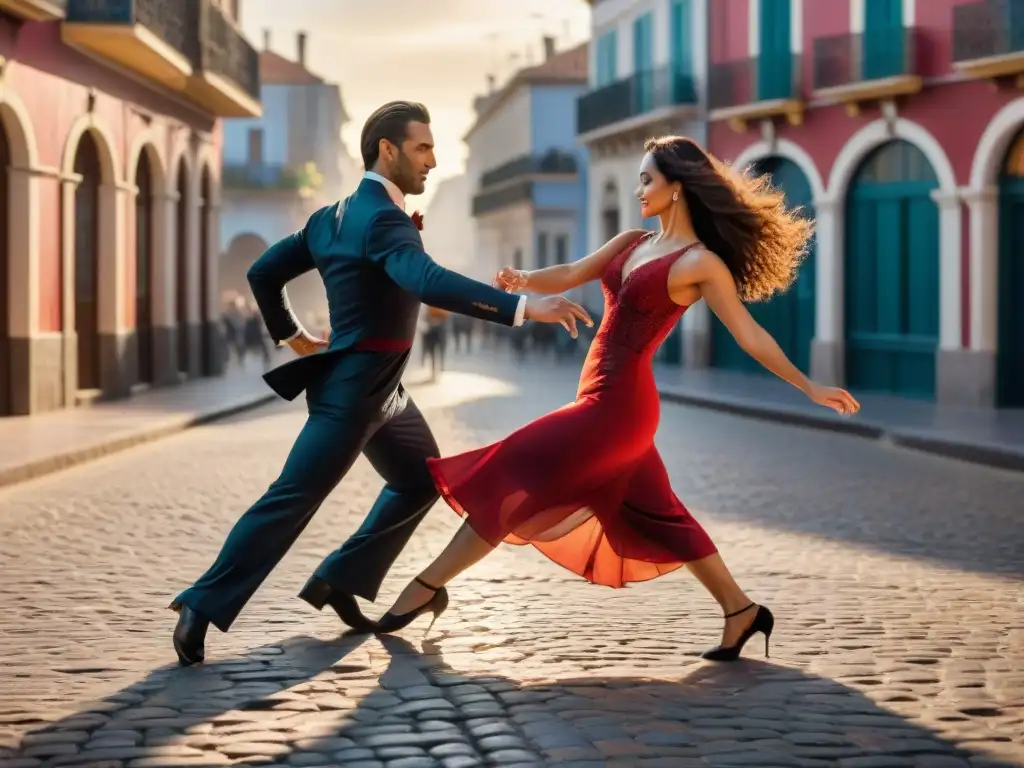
[739, 216]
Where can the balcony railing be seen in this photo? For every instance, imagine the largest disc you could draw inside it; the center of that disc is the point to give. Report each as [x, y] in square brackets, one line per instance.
[34, 10]
[304, 178]
[847, 60]
[226, 53]
[189, 47]
[174, 26]
[989, 37]
[754, 80]
[633, 96]
[554, 162]
[502, 197]
[246, 176]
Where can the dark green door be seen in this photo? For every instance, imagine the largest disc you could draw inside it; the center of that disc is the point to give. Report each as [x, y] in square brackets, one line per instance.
[1010, 358]
[775, 63]
[883, 48]
[789, 318]
[892, 273]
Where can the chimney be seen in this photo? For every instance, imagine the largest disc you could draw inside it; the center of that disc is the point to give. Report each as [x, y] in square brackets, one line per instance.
[301, 39]
[549, 47]
[491, 84]
[266, 39]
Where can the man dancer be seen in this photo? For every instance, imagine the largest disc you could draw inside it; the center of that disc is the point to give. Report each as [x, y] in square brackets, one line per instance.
[370, 255]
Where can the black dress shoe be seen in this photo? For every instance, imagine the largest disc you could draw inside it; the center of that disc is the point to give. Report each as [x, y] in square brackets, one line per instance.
[189, 636]
[319, 593]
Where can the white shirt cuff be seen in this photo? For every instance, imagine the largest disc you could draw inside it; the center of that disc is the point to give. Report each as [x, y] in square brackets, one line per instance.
[520, 312]
[293, 337]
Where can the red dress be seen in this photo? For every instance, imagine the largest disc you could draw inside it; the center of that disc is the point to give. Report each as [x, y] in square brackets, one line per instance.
[585, 484]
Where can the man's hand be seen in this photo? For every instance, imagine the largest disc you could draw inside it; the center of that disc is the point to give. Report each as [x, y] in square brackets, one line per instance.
[305, 344]
[557, 309]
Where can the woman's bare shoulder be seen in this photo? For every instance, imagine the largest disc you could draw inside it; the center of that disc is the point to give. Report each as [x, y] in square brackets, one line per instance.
[698, 264]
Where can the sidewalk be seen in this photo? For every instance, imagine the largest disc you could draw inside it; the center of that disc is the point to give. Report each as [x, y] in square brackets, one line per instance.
[995, 438]
[31, 446]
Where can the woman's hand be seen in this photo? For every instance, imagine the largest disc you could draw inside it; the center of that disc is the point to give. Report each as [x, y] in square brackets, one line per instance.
[839, 400]
[510, 280]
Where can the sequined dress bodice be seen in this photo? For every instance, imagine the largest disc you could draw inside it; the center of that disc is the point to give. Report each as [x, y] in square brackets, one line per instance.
[638, 316]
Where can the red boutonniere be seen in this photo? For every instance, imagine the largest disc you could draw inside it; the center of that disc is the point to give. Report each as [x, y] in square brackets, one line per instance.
[417, 219]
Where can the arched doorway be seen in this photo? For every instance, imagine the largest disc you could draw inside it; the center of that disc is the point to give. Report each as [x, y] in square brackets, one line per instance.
[87, 277]
[789, 317]
[208, 363]
[181, 281]
[1010, 359]
[242, 251]
[6, 363]
[144, 269]
[892, 273]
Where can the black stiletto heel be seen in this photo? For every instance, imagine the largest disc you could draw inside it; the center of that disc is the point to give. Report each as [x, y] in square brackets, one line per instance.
[763, 622]
[392, 622]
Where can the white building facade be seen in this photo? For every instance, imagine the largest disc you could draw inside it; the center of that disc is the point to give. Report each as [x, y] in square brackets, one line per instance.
[525, 169]
[647, 77]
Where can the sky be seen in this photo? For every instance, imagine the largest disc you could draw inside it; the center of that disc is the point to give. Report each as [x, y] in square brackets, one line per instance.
[435, 51]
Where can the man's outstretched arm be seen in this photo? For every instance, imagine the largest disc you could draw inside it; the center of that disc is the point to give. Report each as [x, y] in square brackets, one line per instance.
[393, 243]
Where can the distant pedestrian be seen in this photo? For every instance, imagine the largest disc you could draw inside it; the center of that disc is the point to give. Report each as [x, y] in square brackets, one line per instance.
[234, 322]
[255, 338]
[434, 338]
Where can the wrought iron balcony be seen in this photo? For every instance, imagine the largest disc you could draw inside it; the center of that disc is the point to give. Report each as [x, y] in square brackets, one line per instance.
[153, 38]
[249, 176]
[554, 162]
[227, 80]
[188, 47]
[304, 178]
[34, 10]
[988, 38]
[867, 67]
[757, 88]
[640, 94]
[489, 201]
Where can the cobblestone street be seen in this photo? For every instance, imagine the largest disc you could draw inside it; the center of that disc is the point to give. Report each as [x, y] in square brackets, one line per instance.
[895, 578]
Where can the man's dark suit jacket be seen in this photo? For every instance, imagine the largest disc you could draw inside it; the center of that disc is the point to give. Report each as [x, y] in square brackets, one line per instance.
[376, 274]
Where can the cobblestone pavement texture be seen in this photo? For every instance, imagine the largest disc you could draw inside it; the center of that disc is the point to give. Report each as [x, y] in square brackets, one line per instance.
[895, 578]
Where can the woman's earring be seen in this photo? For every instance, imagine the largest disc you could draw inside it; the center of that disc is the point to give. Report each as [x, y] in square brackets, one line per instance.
[675, 196]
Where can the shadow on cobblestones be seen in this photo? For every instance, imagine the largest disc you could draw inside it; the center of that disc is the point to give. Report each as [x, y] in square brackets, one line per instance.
[302, 703]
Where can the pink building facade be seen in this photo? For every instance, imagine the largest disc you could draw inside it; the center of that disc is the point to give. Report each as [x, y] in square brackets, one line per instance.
[110, 147]
[898, 125]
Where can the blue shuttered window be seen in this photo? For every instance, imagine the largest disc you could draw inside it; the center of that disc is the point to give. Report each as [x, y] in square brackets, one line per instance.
[607, 59]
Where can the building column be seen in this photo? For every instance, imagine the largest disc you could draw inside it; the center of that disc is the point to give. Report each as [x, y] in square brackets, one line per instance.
[117, 364]
[215, 328]
[194, 319]
[956, 380]
[36, 357]
[828, 355]
[697, 336]
[629, 206]
[979, 359]
[68, 188]
[165, 284]
[594, 210]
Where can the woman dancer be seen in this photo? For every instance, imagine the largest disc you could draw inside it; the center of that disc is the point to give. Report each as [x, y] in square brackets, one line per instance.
[585, 484]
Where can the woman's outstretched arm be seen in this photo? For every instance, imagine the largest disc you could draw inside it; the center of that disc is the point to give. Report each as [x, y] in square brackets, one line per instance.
[708, 273]
[563, 277]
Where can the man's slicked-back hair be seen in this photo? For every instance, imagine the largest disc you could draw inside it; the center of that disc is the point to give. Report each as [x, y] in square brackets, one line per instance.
[390, 122]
